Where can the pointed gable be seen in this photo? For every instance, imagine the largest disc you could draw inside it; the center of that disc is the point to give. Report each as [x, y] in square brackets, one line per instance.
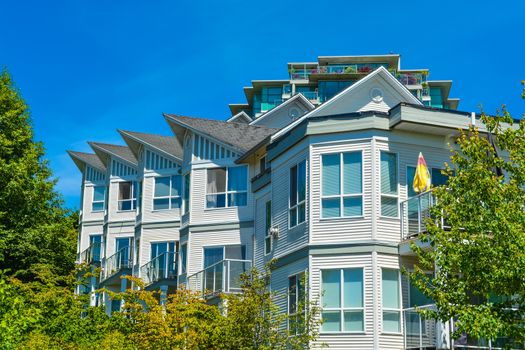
[285, 113]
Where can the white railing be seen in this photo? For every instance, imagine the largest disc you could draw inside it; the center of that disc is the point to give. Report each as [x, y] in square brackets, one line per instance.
[122, 259]
[420, 333]
[91, 255]
[162, 267]
[221, 277]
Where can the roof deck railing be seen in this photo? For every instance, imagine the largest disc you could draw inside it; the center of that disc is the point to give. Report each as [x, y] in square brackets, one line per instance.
[221, 277]
[91, 255]
[303, 73]
[122, 259]
[162, 267]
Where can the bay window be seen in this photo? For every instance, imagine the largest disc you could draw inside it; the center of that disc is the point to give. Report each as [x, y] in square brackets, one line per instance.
[297, 200]
[342, 188]
[167, 193]
[227, 187]
[390, 292]
[389, 180]
[342, 300]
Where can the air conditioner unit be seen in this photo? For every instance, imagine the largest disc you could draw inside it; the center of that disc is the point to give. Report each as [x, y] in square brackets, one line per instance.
[274, 232]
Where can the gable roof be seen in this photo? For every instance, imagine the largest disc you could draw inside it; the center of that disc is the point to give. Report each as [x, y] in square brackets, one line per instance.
[82, 159]
[105, 150]
[297, 97]
[165, 144]
[381, 71]
[239, 136]
[244, 118]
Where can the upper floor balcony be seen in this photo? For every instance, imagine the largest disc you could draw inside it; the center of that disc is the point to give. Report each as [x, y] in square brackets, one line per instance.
[160, 268]
[221, 277]
[91, 255]
[305, 72]
[118, 264]
[411, 78]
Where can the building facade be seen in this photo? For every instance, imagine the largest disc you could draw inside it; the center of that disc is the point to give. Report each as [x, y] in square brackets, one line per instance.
[320, 181]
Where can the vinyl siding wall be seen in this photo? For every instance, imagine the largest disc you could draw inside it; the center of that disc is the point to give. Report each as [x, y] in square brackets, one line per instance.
[261, 197]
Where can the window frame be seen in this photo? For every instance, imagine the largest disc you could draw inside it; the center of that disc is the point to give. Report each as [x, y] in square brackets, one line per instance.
[186, 193]
[133, 196]
[170, 196]
[392, 310]
[268, 226]
[297, 204]
[388, 195]
[103, 201]
[227, 192]
[342, 308]
[341, 194]
[300, 276]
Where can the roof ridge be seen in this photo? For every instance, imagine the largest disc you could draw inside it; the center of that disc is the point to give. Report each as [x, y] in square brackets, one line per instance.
[219, 121]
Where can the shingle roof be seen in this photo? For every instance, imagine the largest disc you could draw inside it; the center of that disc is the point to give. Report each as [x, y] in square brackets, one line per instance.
[120, 151]
[90, 159]
[241, 136]
[167, 144]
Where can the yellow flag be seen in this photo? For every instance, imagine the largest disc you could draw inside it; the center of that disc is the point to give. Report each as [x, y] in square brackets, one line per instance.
[422, 178]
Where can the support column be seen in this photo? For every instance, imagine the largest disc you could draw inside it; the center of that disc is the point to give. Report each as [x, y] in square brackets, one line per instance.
[163, 294]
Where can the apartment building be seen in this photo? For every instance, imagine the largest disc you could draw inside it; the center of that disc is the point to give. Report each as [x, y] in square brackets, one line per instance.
[322, 185]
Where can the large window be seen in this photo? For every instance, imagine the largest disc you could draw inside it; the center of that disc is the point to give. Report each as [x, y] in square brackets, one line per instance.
[342, 300]
[167, 193]
[296, 303]
[297, 194]
[389, 205]
[227, 187]
[390, 292]
[328, 89]
[99, 198]
[342, 189]
[268, 224]
[127, 195]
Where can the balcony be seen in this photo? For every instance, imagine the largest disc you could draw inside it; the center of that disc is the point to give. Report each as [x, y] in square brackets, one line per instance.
[91, 255]
[221, 277]
[304, 73]
[411, 78]
[161, 268]
[310, 95]
[118, 263]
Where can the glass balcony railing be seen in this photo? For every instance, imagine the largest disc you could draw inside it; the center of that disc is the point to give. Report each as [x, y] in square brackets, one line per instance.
[91, 255]
[162, 267]
[359, 68]
[121, 260]
[221, 277]
[310, 95]
[414, 213]
[412, 78]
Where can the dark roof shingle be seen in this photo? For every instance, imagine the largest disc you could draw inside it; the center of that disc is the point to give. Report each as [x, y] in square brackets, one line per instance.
[167, 144]
[90, 159]
[120, 151]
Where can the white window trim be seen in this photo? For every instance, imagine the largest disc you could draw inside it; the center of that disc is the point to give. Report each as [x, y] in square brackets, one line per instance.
[388, 195]
[103, 201]
[341, 194]
[226, 193]
[185, 203]
[400, 301]
[132, 199]
[342, 309]
[170, 196]
[298, 204]
[181, 259]
[267, 233]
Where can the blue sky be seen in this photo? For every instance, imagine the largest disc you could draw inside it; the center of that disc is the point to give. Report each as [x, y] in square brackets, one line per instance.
[87, 68]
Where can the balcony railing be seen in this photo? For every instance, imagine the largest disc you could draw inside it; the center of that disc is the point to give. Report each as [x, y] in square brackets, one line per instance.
[121, 260]
[221, 277]
[310, 95]
[91, 255]
[163, 267]
[414, 78]
[360, 68]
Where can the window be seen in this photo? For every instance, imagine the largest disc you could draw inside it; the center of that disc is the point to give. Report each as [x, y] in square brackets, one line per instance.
[389, 206]
[268, 225]
[296, 303]
[297, 194]
[186, 194]
[227, 187]
[95, 242]
[262, 165]
[342, 300]
[167, 193]
[438, 179]
[342, 192]
[99, 198]
[328, 89]
[391, 301]
[183, 258]
[126, 195]
[164, 253]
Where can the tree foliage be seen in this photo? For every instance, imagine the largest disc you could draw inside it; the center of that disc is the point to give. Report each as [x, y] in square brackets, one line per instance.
[479, 254]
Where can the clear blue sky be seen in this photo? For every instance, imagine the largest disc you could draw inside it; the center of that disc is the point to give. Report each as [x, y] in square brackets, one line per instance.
[87, 68]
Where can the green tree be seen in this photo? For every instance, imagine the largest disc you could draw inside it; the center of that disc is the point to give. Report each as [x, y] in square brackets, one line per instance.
[34, 228]
[480, 254]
